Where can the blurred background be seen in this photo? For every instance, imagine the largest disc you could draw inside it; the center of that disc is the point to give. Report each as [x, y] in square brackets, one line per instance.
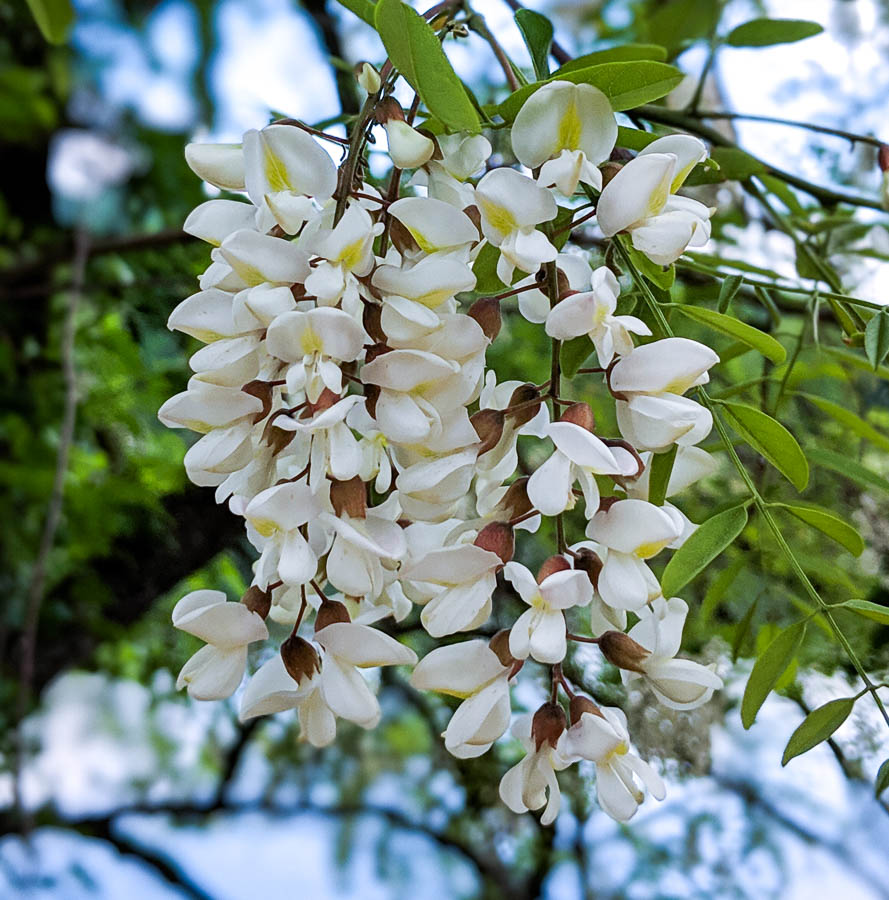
[131, 789]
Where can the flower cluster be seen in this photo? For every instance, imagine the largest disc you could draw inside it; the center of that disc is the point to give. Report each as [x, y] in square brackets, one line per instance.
[347, 415]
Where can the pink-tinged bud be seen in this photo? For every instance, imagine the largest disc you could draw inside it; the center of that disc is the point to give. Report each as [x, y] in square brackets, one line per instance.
[622, 651]
[331, 612]
[579, 414]
[522, 406]
[486, 311]
[349, 498]
[499, 538]
[551, 566]
[257, 600]
[883, 157]
[368, 77]
[589, 562]
[262, 390]
[488, 425]
[548, 724]
[300, 658]
[580, 705]
[499, 644]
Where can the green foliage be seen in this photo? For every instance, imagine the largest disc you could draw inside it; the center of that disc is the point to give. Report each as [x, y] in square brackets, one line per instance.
[741, 331]
[537, 32]
[767, 32]
[869, 610]
[415, 51]
[876, 339]
[659, 477]
[827, 523]
[705, 544]
[54, 18]
[817, 726]
[769, 668]
[881, 782]
[364, 9]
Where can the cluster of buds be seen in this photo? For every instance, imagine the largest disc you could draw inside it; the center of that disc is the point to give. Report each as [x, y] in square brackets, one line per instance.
[348, 415]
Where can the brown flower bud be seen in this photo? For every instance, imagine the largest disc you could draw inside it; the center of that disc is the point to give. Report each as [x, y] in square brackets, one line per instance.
[388, 109]
[609, 170]
[515, 501]
[262, 390]
[349, 497]
[486, 311]
[580, 705]
[325, 400]
[548, 724]
[498, 538]
[588, 561]
[276, 438]
[370, 318]
[488, 425]
[523, 397]
[330, 612]
[564, 286]
[374, 351]
[500, 646]
[300, 658]
[883, 157]
[579, 414]
[403, 240]
[257, 600]
[473, 212]
[622, 651]
[551, 566]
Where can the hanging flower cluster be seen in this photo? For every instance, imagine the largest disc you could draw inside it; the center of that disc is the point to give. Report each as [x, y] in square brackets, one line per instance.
[347, 415]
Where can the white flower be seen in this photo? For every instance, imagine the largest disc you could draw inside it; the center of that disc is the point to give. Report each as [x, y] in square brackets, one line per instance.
[278, 515]
[436, 226]
[579, 456]
[531, 783]
[215, 220]
[511, 207]
[472, 672]
[462, 580]
[205, 406]
[407, 147]
[631, 531]
[677, 683]
[539, 632]
[641, 200]
[566, 129]
[604, 740]
[256, 258]
[592, 313]
[315, 342]
[417, 292]
[216, 670]
[221, 165]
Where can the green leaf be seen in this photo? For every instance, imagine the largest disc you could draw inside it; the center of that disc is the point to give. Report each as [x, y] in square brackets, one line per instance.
[708, 540]
[881, 782]
[876, 338]
[770, 439]
[634, 138]
[851, 420]
[54, 18]
[659, 477]
[364, 9]
[770, 666]
[741, 331]
[827, 523]
[732, 164]
[573, 354]
[660, 276]
[485, 270]
[626, 84]
[415, 51]
[742, 629]
[842, 464]
[817, 726]
[727, 291]
[766, 32]
[624, 53]
[869, 610]
[537, 32]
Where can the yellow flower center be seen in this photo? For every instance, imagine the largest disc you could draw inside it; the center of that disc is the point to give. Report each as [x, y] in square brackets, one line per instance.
[570, 128]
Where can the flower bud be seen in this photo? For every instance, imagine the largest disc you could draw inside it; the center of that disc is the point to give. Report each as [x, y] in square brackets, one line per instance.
[498, 538]
[551, 566]
[609, 170]
[330, 612]
[589, 562]
[523, 397]
[368, 77]
[499, 644]
[580, 705]
[486, 311]
[548, 724]
[883, 157]
[371, 320]
[622, 651]
[515, 501]
[564, 285]
[407, 147]
[349, 497]
[488, 425]
[579, 414]
[300, 658]
[257, 600]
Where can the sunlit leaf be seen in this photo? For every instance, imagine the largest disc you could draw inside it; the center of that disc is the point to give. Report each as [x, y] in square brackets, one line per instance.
[770, 666]
[817, 726]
